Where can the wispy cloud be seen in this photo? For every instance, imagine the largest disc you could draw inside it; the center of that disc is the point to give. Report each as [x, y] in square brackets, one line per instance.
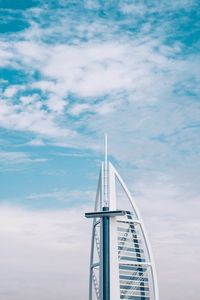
[105, 78]
[13, 158]
[103, 75]
[30, 116]
[36, 142]
[72, 198]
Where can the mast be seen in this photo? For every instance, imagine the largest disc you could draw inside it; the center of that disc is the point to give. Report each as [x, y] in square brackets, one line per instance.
[105, 229]
[106, 202]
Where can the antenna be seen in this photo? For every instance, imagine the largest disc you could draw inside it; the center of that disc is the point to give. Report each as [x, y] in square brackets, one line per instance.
[106, 149]
[106, 170]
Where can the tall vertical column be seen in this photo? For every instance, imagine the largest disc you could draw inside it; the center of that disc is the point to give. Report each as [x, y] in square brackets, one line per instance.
[106, 256]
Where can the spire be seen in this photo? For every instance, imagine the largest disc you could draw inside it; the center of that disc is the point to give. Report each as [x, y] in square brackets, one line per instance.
[105, 149]
[106, 170]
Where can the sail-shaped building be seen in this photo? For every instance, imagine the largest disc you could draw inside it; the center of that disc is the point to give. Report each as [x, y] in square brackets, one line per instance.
[121, 261]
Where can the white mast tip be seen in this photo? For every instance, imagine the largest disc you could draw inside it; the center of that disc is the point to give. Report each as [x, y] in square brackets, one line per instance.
[106, 147]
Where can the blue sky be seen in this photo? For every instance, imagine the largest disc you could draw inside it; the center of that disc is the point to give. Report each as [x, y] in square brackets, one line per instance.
[70, 71]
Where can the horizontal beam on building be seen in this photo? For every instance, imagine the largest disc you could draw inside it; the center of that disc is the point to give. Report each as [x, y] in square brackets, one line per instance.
[101, 214]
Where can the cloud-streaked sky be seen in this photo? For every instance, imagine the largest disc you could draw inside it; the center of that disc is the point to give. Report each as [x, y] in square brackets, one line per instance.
[70, 71]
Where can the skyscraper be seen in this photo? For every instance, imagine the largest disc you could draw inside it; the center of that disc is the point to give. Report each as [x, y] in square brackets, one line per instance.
[121, 261]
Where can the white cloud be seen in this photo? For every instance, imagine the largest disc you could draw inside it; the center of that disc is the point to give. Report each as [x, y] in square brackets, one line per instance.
[30, 52]
[28, 100]
[40, 254]
[94, 70]
[36, 142]
[171, 215]
[5, 54]
[73, 197]
[77, 109]
[106, 78]
[47, 245]
[30, 116]
[141, 8]
[11, 91]
[18, 158]
[133, 88]
[56, 104]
